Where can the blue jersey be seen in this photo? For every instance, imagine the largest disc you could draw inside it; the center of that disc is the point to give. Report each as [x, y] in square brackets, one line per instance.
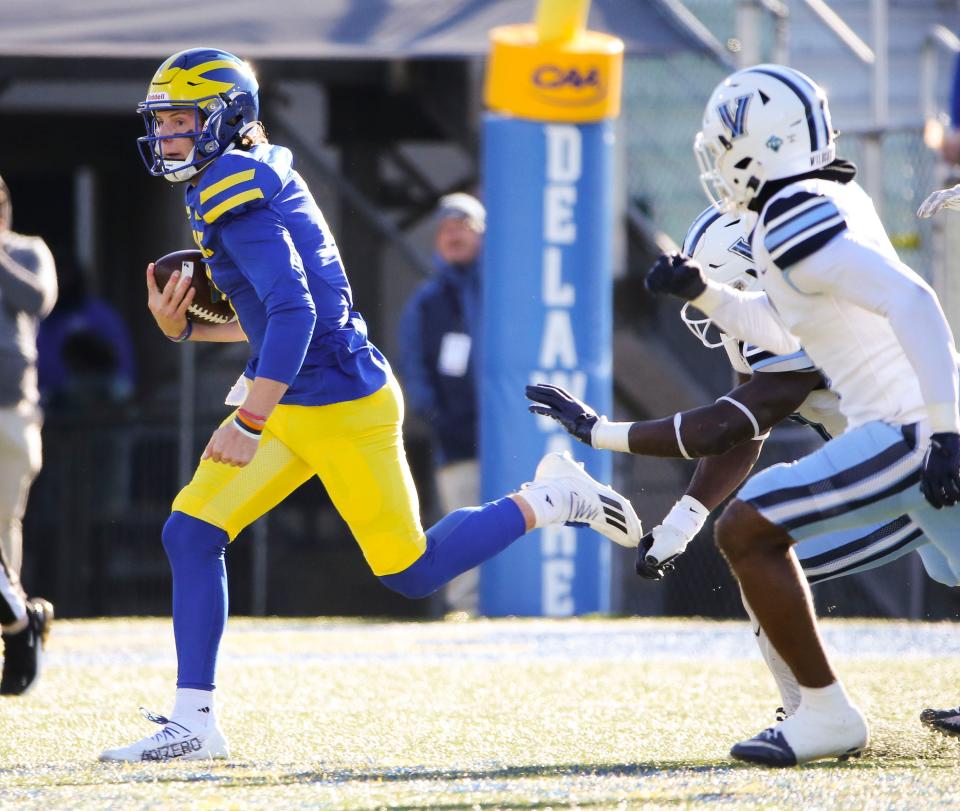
[272, 255]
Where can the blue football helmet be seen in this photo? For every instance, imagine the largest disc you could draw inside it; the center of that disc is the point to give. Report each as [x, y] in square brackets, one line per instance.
[223, 94]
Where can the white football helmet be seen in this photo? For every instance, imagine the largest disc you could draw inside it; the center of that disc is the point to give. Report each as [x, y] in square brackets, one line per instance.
[718, 242]
[763, 123]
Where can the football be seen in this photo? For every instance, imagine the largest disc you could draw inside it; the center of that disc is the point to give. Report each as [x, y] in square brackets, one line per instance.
[209, 305]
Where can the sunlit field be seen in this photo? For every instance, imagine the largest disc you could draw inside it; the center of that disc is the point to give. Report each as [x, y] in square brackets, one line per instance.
[483, 714]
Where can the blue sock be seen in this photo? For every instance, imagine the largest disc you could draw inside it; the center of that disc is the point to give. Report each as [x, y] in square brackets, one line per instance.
[457, 542]
[195, 551]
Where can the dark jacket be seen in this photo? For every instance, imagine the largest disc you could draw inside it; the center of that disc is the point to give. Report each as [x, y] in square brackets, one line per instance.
[446, 303]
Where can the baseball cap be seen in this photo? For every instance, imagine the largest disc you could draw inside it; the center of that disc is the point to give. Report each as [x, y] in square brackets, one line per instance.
[462, 206]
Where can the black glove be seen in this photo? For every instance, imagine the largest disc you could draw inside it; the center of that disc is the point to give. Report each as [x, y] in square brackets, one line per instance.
[677, 275]
[576, 417]
[648, 566]
[940, 480]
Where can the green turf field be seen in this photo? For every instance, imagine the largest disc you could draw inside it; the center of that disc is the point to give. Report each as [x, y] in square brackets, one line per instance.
[485, 714]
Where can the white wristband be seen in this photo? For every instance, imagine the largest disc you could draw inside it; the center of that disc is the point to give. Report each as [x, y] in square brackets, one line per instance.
[611, 436]
[687, 516]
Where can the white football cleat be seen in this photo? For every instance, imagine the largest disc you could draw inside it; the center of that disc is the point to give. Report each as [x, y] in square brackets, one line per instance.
[173, 742]
[805, 736]
[586, 502]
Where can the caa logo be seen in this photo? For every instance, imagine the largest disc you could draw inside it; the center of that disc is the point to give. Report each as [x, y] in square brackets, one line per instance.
[568, 86]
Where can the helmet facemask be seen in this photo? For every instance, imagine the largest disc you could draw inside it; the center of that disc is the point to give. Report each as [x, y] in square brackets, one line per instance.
[700, 328]
[208, 136]
[714, 185]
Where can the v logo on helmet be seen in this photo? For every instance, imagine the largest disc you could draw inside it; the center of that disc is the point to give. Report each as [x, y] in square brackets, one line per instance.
[742, 248]
[733, 115]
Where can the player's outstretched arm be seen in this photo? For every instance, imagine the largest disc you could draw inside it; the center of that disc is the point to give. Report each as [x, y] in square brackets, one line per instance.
[745, 413]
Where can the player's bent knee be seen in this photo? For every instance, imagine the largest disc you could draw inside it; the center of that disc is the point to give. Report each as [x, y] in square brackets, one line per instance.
[421, 578]
[186, 537]
[412, 583]
[741, 530]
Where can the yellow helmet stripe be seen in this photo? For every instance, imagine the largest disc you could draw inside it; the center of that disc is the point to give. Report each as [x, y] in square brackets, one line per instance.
[232, 202]
[221, 185]
[176, 82]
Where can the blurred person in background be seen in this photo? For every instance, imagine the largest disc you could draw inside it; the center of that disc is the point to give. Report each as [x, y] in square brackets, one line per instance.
[85, 358]
[438, 330]
[28, 291]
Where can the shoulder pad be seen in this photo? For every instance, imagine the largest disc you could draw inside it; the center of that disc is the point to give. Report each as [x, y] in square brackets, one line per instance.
[798, 224]
[233, 183]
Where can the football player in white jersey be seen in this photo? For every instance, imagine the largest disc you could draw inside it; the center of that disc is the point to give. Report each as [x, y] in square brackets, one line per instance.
[834, 285]
[726, 438]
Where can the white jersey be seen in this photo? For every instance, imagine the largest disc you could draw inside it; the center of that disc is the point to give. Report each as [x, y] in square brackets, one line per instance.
[820, 410]
[840, 302]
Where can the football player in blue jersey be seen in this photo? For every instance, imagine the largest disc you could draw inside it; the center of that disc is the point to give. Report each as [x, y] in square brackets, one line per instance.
[726, 438]
[316, 399]
[832, 284]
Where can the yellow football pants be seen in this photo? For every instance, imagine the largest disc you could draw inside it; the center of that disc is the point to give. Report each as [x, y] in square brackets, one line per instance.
[354, 447]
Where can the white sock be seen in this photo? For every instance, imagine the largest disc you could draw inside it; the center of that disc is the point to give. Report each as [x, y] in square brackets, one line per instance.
[193, 708]
[545, 500]
[828, 700]
[782, 675]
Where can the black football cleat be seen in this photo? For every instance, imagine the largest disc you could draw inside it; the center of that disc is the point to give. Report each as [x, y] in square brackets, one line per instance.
[22, 651]
[946, 722]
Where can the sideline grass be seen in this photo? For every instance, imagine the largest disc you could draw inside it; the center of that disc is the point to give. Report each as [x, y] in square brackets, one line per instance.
[488, 714]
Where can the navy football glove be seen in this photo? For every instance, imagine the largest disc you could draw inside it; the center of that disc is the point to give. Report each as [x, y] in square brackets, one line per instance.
[677, 275]
[940, 480]
[576, 417]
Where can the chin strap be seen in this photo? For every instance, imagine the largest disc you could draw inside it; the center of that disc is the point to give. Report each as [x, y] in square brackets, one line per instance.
[180, 171]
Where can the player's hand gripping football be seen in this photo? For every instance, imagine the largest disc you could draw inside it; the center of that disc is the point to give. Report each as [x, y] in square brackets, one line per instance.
[677, 275]
[940, 480]
[944, 198]
[660, 547]
[169, 306]
[576, 417]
